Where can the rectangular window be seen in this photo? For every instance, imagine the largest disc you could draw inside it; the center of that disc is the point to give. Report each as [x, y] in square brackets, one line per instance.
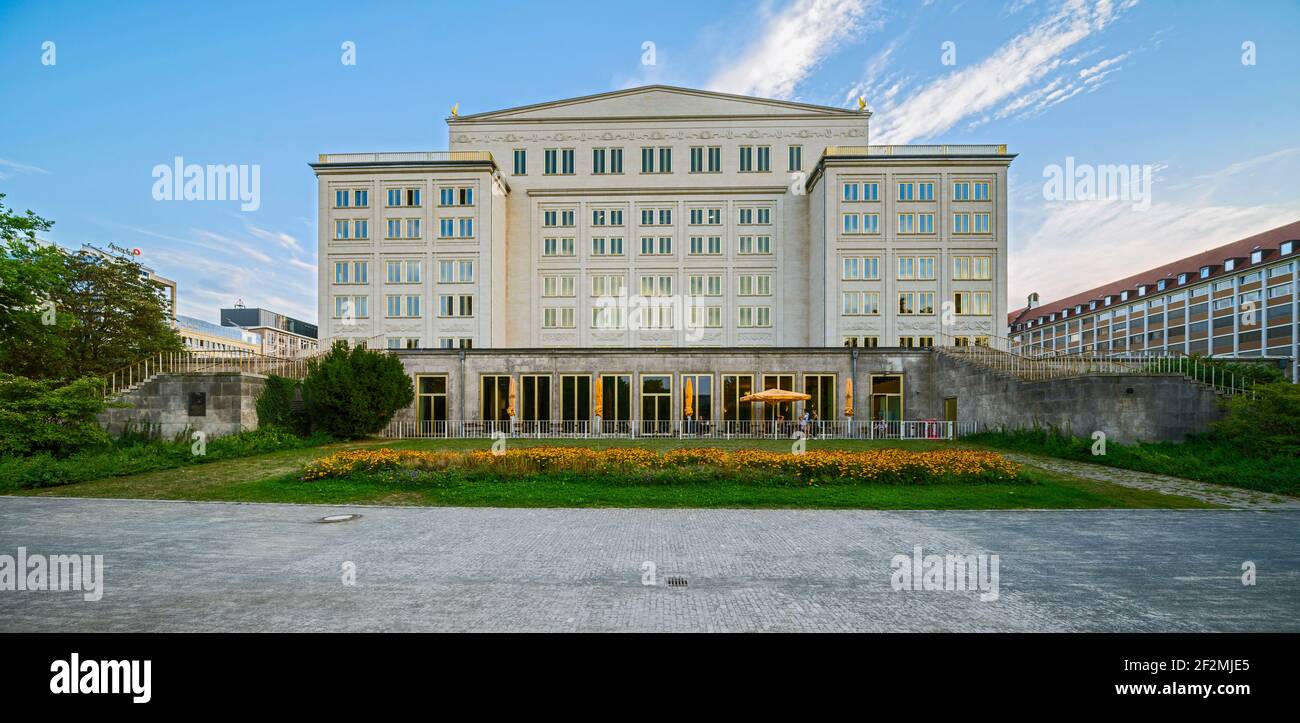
[981, 223]
[961, 223]
[925, 191]
[907, 191]
[795, 158]
[961, 191]
[521, 162]
[981, 189]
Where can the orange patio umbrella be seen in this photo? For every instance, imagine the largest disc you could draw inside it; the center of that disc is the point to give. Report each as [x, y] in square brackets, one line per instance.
[776, 395]
[510, 406]
[848, 397]
[688, 406]
[598, 401]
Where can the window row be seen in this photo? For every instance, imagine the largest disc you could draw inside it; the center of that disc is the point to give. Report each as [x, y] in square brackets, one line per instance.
[450, 271]
[912, 303]
[867, 268]
[658, 159]
[403, 306]
[404, 197]
[915, 223]
[403, 229]
[658, 246]
[854, 191]
[667, 316]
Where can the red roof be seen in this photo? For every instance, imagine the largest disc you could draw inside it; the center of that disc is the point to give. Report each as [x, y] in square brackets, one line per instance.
[1269, 241]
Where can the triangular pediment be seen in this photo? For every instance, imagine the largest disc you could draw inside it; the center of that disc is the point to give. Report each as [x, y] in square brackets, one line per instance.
[656, 101]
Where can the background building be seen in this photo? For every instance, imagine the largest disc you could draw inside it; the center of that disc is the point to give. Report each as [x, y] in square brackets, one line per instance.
[1237, 300]
[663, 217]
[281, 336]
[204, 336]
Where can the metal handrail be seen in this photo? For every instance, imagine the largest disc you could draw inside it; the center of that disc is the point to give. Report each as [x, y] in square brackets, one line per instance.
[190, 361]
[1058, 366]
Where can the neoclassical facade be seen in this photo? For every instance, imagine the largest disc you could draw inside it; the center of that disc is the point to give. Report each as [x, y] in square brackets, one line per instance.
[662, 217]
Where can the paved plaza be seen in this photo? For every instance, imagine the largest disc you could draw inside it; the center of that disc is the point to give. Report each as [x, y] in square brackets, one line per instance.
[176, 566]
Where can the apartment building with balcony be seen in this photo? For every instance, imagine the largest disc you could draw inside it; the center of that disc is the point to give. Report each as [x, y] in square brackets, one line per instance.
[1235, 300]
[663, 217]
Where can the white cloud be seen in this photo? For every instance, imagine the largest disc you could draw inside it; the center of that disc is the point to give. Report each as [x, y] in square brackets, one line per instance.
[1001, 78]
[278, 237]
[792, 43]
[8, 168]
[1082, 245]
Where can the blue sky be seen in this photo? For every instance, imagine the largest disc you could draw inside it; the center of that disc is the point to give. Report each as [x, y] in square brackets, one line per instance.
[133, 85]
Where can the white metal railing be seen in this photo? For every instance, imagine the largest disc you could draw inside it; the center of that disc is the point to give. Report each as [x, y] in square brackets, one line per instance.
[920, 150]
[192, 362]
[680, 429]
[406, 157]
[999, 357]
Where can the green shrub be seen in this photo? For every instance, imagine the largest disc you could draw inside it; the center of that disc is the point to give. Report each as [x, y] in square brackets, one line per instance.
[350, 393]
[1265, 423]
[134, 457]
[46, 416]
[275, 406]
[1204, 458]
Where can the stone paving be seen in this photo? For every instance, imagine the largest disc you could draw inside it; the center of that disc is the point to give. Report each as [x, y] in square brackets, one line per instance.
[1234, 497]
[172, 566]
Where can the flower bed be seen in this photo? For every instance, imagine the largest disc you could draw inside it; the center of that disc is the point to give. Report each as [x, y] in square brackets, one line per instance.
[877, 466]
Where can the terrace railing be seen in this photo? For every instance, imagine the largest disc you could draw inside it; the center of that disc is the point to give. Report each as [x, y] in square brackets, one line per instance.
[999, 357]
[193, 362]
[681, 429]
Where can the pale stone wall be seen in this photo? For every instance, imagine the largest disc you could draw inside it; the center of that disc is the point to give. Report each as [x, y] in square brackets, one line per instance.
[162, 404]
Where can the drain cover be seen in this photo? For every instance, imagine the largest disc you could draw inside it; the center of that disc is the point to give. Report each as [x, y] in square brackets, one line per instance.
[677, 582]
[339, 518]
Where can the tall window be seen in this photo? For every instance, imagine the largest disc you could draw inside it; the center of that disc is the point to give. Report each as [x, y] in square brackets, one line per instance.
[701, 396]
[521, 162]
[656, 403]
[795, 158]
[431, 402]
[535, 400]
[495, 399]
[735, 386]
[575, 398]
[822, 389]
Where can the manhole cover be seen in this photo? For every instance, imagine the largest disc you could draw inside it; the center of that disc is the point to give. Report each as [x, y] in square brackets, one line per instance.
[339, 518]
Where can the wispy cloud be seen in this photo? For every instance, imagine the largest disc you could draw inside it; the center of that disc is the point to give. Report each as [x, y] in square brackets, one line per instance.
[791, 45]
[1074, 248]
[8, 168]
[1004, 83]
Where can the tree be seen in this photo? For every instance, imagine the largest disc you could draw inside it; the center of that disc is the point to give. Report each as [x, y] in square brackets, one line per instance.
[45, 416]
[72, 314]
[1265, 423]
[350, 393]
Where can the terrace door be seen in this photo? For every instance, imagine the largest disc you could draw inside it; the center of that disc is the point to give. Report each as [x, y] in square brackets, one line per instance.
[575, 403]
[887, 402]
[431, 405]
[535, 409]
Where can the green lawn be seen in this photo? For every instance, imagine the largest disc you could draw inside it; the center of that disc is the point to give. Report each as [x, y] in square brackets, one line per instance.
[273, 478]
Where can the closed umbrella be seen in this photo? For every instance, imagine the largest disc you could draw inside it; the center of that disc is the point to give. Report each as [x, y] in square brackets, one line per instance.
[598, 405]
[510, 407]
[848, 398]
[688, 405]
